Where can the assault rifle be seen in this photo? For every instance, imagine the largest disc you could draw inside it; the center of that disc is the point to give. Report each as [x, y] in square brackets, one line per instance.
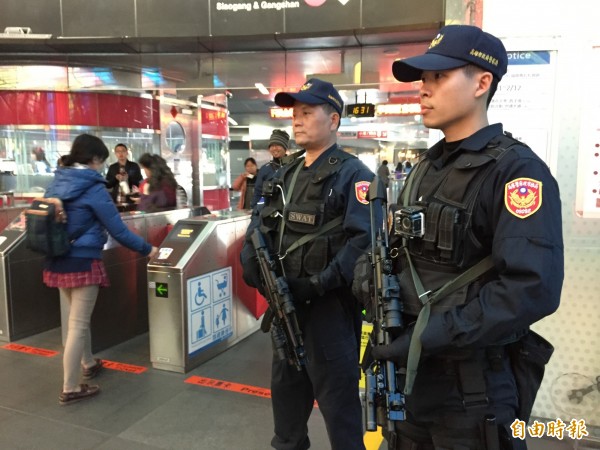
[384, 402]
[285, 332]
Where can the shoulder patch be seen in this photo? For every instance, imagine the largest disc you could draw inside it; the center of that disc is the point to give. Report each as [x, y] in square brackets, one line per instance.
[523, 197]
[361, 189]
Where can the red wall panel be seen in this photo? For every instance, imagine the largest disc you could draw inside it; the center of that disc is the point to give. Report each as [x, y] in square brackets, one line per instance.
[78, 108]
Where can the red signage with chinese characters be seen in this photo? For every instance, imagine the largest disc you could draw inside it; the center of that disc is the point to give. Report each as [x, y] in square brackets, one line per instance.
[372, 134]
[214, 122]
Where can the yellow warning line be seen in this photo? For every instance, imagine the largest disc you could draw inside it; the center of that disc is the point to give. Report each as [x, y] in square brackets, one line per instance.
[373, 439]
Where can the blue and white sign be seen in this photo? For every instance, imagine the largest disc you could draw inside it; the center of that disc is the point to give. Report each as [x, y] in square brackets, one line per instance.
[209, 309]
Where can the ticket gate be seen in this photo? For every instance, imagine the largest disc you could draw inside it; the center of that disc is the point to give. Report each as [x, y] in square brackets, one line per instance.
[27, 306]
[198, 304]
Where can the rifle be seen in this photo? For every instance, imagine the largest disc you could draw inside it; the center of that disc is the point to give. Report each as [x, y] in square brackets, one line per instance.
[383, 398]
[285, 332]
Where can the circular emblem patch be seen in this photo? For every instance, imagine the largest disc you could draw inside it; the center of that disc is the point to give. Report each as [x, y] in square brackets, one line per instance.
[523, 197]
[362, 188]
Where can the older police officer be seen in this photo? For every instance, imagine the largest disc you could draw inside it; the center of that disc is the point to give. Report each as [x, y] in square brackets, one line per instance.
[322, 196]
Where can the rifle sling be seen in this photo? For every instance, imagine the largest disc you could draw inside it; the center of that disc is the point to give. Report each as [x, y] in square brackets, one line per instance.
[309, 237]
[414, 351]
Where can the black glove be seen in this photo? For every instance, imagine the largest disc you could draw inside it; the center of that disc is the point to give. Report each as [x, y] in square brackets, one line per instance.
[251, 270]
[304, 289]
[362, 285]
[397, 351]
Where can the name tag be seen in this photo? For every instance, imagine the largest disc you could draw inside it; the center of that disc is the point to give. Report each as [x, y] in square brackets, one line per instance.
[302, 218]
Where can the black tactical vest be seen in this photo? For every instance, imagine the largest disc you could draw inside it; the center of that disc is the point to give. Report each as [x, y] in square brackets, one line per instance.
[305, 217]
[448, 246]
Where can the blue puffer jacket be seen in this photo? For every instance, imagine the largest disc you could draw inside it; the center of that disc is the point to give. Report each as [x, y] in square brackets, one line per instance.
[89, 205]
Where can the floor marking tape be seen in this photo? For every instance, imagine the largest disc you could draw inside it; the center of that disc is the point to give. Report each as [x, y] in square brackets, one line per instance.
[30, 350]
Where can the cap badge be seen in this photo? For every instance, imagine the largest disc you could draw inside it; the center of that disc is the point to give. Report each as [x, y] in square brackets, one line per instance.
[362, 188]
[523, 197]
[436, 40]
[306, 86]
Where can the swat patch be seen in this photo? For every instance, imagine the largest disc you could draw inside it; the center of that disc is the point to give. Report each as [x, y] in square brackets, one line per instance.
[362, 188]
[523, 197]
[299, 217]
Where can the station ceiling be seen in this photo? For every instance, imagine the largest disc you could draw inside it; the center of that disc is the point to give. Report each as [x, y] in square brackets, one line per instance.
[204, 65]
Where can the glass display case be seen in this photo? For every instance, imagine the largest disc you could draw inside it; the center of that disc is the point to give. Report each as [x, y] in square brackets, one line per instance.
[29, 155]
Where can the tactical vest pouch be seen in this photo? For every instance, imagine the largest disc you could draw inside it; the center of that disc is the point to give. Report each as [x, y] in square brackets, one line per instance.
[464, 170]
[270, 218]
[528, 359]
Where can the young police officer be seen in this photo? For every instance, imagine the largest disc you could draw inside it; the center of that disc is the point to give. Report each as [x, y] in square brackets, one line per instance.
[322, 197]
[477, 193]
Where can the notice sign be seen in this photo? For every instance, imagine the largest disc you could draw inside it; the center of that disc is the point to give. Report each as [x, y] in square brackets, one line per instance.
[524, 100]
[209, 309]
[588, 164]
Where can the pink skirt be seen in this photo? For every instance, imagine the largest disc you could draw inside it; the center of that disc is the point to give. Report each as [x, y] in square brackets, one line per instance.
[97, 275]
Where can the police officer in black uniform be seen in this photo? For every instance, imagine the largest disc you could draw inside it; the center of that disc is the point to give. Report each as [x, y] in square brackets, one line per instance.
[322, 199]
[478, 200]
[279, 143]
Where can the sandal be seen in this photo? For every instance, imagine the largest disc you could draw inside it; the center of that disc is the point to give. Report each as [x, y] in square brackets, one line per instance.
[66, 398]
[91, 372]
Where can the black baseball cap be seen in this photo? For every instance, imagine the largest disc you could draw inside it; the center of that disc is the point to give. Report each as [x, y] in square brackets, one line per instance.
[456, 46]
[313, 92]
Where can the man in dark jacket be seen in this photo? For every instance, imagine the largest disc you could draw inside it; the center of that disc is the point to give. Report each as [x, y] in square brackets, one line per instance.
[122, 170]
[478, 199]
[279, 143]
[322, 201]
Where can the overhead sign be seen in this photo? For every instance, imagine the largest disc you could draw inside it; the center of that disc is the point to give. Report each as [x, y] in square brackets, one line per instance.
[281, 113]
[397, 109]
[372, 134]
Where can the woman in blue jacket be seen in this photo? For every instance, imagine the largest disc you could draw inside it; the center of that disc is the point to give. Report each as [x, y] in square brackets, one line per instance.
[80, 274]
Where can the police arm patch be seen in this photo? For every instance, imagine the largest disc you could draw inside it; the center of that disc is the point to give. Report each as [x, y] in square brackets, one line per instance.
[361, 189]
[523, 197]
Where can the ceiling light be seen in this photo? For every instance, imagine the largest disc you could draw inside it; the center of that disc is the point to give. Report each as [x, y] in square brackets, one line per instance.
[232, 121]
[262, 89]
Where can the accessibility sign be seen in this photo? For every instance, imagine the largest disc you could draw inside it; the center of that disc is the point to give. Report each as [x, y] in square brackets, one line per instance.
[209, 299]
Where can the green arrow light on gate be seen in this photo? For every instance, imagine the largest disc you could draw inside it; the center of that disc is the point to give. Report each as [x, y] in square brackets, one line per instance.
[162, 290]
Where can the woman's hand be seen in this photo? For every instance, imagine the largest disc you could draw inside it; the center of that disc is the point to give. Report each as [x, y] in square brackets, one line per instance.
[153, 252]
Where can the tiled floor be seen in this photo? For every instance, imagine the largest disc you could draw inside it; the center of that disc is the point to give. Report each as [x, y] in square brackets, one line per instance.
[151, 410]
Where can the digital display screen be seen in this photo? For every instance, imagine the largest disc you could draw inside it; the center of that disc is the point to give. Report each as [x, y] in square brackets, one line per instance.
[361, 110]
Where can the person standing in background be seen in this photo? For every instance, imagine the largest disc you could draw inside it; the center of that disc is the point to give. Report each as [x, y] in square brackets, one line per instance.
[80, 273]
[384, 173]
[245, 183]
[122, 171]
[158, 192]
[279, 143]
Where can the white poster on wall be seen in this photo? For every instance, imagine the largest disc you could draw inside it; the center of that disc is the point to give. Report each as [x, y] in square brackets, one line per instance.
[587, 202]
[524, 100]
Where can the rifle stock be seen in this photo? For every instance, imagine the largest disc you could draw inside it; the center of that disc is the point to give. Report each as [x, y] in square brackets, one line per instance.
[285, 331]
[384, 402]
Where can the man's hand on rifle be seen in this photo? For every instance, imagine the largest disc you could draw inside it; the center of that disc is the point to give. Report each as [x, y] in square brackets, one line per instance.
[397, 351]
[305, 289]
[362, 285]
[251, 269]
